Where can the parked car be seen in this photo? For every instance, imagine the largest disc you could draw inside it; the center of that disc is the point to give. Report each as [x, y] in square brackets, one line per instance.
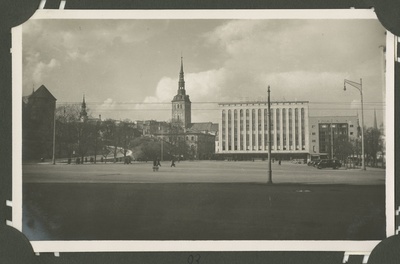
[329, 163]
[313, 162]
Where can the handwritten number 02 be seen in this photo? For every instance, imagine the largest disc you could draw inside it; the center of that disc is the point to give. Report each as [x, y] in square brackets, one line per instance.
[192, 258]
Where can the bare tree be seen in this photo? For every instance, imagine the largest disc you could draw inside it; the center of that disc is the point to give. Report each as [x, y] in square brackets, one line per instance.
[110, 136]
[373, 144]
[67, 118]
[127, 133]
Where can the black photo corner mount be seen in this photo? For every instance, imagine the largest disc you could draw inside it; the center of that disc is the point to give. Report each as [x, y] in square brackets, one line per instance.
[15, 247]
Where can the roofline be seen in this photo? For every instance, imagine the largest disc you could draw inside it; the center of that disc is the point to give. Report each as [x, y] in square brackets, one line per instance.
[331, 116]
[183, 134]
[263, 102]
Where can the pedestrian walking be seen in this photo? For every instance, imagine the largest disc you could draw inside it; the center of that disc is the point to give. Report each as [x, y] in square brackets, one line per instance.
[173, 163]
[279, 161]
[155, 165]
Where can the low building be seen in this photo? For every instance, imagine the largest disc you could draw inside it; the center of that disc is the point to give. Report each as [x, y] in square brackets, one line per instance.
[204, 127]
[151, 127]
[198, 146]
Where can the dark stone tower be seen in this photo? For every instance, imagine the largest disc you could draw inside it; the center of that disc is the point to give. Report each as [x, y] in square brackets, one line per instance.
[181, 105]
[38, 124]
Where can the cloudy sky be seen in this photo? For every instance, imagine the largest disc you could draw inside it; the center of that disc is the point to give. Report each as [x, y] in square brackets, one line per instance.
[128, 69]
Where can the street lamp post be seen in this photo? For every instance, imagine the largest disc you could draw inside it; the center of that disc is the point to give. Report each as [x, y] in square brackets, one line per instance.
[331, 139]
[54, 137]
[269, 139]
[162, 140]
[358, 86]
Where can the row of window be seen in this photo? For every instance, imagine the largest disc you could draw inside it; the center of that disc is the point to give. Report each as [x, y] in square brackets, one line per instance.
[244, 122]
[178, 106]
[242, 147]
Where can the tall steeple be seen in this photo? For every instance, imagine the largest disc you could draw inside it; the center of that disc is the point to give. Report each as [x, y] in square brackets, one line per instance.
[181, 84]
[181, 105]
[83, 114]
[375, 122]
[83, 102]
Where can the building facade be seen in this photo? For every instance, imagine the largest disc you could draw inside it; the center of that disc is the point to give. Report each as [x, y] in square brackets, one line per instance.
[243, 129]
[327, 131]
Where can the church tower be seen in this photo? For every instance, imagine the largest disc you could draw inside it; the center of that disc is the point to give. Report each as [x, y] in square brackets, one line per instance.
[181, 105]
[83, 116]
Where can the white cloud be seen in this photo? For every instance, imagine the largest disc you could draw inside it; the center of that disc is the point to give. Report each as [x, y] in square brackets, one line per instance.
[301, 85]
[201, 87]
[41, 69]
[108, 104]
[75, 54]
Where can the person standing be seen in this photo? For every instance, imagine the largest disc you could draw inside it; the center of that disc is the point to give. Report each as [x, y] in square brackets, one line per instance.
[155, 166]
[173, 162]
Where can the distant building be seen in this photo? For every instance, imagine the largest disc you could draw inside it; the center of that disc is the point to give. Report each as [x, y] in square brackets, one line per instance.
[204, 127]
[38, 112]
[200, 137]
[325, 131]
[243, 130]
[151, 127]
[200, 145]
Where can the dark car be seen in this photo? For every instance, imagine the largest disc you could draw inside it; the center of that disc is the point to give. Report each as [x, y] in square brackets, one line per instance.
[329, 163]
[313, 162]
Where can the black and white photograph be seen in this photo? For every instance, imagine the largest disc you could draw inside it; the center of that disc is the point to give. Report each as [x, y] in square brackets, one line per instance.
[234, 128]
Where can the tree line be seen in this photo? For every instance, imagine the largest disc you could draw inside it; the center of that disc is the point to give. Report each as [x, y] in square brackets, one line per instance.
[78, 139]
[373, 147]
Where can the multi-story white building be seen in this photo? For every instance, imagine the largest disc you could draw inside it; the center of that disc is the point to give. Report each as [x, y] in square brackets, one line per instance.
[243, 129]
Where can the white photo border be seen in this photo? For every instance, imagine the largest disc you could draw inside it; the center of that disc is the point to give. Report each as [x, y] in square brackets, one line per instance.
[356, 247]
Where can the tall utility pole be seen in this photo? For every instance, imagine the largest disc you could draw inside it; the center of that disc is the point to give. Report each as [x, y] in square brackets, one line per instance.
[162, 141]
[269, 139]
[358, 86]
[54, 136]
[331, 139]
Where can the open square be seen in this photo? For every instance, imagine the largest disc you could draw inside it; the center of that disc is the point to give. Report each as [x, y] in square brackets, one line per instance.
[194, 129]
[202, 200]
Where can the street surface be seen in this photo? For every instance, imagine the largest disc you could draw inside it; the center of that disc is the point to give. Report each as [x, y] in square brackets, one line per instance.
[198, 171]
[201, 200]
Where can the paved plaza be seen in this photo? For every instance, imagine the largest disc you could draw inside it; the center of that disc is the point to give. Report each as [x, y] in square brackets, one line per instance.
[199, 171]
[201, 200]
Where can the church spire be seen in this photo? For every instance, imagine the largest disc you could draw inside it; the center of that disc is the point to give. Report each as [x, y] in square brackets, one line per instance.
[83, 102]
[181, 84]
[83, 113]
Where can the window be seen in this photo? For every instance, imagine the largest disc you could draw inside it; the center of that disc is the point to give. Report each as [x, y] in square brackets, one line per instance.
[351, 125]
[313, 133]
[313, 140]
[351, 133]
